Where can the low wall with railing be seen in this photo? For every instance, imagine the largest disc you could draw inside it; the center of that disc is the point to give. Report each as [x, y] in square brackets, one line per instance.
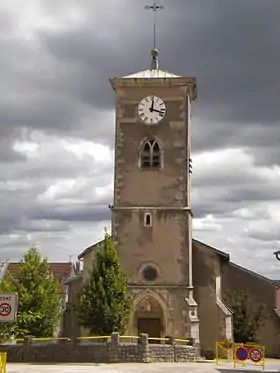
[106, 349]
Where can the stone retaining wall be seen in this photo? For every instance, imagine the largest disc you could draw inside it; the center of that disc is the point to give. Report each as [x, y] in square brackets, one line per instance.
[67, 351]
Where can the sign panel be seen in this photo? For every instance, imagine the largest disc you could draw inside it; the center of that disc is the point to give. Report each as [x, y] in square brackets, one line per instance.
[8, 307]
[255, 355]
[241, 353]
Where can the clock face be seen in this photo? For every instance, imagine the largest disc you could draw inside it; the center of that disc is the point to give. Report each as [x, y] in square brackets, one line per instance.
[151, 109]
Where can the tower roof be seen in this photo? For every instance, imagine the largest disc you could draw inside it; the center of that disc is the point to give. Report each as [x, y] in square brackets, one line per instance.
[152, 73]
[155, 78]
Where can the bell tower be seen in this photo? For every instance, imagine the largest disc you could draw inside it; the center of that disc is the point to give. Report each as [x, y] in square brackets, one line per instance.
[151, 215]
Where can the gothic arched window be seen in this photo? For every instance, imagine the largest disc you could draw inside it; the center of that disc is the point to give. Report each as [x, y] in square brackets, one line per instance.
[150, 155]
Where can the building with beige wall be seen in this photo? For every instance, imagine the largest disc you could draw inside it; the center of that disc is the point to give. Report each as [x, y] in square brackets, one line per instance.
[213, 276]
[177, 283]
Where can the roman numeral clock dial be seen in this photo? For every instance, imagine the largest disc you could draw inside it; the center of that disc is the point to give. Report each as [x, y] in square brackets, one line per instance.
[151, 109]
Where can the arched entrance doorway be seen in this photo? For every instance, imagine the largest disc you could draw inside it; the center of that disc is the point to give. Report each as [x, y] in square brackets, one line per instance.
[149, 318]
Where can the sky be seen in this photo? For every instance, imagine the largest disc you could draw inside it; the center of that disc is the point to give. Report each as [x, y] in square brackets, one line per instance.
[57, 119]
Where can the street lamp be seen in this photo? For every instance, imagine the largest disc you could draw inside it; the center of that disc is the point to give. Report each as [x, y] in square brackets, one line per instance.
[277, 254]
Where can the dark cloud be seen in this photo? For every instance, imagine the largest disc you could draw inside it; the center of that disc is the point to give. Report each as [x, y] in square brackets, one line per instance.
[82, 212]
[54, 68]
[229, 47]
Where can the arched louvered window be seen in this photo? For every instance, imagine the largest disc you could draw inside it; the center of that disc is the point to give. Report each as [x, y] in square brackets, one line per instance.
[150, 155]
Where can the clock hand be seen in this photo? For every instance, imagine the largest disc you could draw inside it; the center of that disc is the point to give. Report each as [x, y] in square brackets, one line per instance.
[159, 111]
[152, 106]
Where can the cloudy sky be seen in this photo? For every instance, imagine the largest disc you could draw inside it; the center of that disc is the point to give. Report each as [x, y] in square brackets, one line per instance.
[57, 119]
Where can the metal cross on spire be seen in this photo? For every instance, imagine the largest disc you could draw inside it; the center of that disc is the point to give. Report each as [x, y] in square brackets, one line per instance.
[154, 8]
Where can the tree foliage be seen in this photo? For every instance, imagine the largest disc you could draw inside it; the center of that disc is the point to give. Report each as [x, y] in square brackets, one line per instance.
[39, 298]
[247, 317]
[103, 304]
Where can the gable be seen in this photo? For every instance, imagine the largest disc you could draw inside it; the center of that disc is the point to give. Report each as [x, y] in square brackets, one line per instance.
[195, 243]
[202, 246]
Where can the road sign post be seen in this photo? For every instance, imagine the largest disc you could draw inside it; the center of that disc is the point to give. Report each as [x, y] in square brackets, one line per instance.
[3, 362]
[247, 353]
[8, 307]
[240, 353]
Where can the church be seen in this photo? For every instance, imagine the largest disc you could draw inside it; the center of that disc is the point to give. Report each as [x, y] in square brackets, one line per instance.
[176, 282]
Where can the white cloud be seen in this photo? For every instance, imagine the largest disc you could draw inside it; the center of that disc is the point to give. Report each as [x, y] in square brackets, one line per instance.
[100, 153]
[209, 223]
[25, 147]
[57, 191]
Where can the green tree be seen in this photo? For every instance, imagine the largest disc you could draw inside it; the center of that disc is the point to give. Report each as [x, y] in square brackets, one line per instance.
[247, 317]
[39, 298]
[103, 303]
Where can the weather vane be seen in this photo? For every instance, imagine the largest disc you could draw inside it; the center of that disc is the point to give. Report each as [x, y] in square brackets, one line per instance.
[154, 8]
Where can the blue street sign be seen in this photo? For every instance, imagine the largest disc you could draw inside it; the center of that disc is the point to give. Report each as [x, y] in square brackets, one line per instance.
[241, 353]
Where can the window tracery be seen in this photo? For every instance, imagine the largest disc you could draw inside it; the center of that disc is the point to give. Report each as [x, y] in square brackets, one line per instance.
[151, 154]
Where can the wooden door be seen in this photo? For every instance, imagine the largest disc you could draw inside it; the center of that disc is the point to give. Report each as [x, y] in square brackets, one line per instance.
[150, 326]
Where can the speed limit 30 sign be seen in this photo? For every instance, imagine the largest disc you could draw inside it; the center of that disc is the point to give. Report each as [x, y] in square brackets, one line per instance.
[5, 309]
[8, 307]
[255, 355]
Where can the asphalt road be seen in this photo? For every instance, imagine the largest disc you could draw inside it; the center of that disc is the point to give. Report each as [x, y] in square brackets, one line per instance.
[209, 367]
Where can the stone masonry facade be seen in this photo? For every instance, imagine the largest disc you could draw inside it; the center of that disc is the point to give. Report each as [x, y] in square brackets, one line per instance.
[72, 351]
[163, 194]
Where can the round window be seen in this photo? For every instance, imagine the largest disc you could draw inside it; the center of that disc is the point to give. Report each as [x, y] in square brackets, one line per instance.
[150, 273]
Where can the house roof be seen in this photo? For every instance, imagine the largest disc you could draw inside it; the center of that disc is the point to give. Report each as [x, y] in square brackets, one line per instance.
[89, 249]
[252, 273]
[59, 270]
[218, 252]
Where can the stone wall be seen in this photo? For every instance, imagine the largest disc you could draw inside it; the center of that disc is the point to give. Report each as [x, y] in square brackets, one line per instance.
[72, 351]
